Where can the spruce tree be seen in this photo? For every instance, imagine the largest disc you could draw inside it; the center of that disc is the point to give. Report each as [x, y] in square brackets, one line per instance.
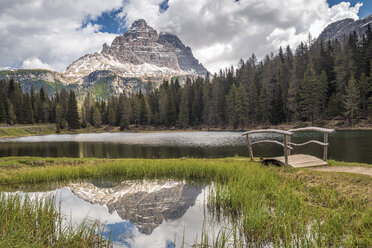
[351, 100]
[72, 113]
[143, 113]
[323, 90]
[243, 106]
[233, 107]
[2, 110]
[11, 117]
[28, 112]
[111, 116]
[96, 117]
[183, 116]
[310, 95]
[59, 115]
[363, 93]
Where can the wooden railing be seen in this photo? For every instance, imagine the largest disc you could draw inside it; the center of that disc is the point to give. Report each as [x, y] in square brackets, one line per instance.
[287, 144]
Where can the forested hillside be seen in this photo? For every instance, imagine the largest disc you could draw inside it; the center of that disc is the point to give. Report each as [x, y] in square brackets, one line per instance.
[317, 80]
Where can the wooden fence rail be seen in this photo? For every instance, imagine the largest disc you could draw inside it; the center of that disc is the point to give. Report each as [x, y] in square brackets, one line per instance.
[287, 144]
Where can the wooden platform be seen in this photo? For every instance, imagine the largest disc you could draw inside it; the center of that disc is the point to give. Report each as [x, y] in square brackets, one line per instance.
[296, 161]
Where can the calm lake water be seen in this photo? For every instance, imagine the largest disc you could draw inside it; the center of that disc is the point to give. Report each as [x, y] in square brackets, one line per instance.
[351, 146]
[139, 213]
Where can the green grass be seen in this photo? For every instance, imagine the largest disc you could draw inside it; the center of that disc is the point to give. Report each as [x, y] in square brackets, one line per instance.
[45, 129]
[27, 130]
[278, 206]
[37, 223]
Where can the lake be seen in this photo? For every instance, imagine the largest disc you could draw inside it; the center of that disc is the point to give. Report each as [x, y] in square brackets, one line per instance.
[351, 146]
[159, 213]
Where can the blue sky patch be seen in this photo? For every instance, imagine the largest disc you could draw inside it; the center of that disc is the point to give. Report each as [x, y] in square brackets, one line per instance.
[109, 21]
[163, 6]
[364, 11]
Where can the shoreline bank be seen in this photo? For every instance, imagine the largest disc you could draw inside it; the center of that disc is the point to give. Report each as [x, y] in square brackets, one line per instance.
[46, 129]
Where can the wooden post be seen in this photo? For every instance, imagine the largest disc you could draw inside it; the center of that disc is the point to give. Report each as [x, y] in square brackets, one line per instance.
[285, 150]
[288, 141]
[249, 147]
[325, 148]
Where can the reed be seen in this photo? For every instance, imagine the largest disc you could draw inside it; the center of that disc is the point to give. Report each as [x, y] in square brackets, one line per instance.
[27, 222]
[275, 206]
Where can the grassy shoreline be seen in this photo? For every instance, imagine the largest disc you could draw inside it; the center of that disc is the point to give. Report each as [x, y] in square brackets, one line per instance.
[46, 129]
[280, 206]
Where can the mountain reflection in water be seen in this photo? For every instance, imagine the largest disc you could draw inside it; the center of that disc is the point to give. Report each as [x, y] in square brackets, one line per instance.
[141, 213]
[146, 205]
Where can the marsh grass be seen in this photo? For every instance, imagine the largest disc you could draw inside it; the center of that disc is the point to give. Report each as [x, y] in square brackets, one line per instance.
[275, 206]
[27, 222]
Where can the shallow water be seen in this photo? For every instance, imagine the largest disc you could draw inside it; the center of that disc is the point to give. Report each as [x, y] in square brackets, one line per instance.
[139, 213]
[353, 146]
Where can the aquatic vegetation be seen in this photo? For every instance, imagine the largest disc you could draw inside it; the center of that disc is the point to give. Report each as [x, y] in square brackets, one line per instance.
[275, 206]
[27, 222]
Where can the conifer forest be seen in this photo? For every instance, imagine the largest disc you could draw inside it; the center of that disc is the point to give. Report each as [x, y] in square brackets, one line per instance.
[318, 80]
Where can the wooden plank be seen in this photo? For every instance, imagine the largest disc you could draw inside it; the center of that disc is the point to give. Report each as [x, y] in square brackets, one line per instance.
[300, 161]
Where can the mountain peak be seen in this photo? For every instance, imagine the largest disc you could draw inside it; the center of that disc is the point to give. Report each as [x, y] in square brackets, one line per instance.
[139, 24]
[139, 53]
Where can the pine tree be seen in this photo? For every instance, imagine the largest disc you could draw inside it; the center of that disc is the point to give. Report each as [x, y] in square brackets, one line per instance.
[351, 100]
[243, 106]
[85, 110]
[59, 115]
[323, 90]
[73, 114]
[143, 113]
[183, 116]
[233, 106]
[311, 95]
[96, 117]
[45, 111]
[111, 116]
[363, 93]
[64, 97]
[28, 112]
[11, 117]
[38, 110]
[263, 110]
[123, 122]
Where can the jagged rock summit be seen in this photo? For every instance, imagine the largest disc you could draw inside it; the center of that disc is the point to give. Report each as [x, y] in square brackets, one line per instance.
[338, 30]
[139, 56]
[140, 52]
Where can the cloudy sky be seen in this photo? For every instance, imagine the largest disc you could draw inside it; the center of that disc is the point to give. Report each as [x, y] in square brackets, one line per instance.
[53, 33]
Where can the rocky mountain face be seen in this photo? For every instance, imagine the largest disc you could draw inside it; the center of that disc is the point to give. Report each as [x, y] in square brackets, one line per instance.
[141, 52]
[139, 56]
[146, 205]
[337, 30]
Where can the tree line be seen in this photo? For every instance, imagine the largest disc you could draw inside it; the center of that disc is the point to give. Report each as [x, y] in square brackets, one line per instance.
[319, 80]
[18, 107]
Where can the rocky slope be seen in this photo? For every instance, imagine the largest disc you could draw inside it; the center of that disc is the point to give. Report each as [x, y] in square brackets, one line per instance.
[146, 205]
[337, 30]
[133, 59]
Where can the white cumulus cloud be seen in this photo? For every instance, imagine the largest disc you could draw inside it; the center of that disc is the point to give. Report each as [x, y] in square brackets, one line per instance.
[221, 32]
[35, 63]
[49, 33]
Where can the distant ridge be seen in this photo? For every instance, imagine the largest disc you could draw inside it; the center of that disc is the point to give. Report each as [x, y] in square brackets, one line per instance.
[337, 30]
